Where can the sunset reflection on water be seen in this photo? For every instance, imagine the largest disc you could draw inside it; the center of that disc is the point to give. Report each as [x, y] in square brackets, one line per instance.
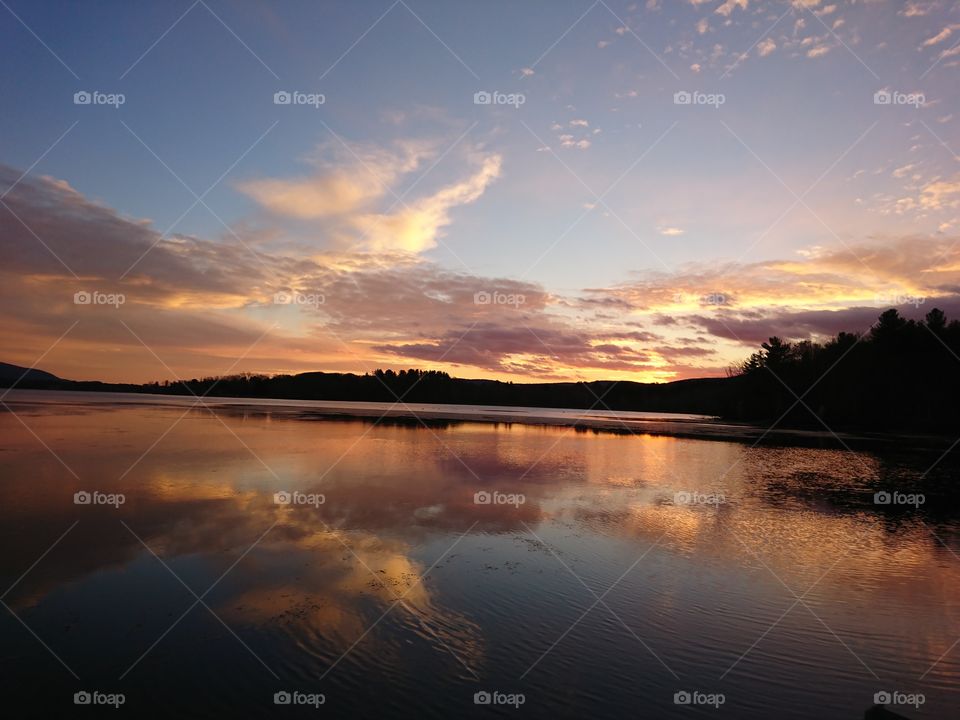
[400, 593]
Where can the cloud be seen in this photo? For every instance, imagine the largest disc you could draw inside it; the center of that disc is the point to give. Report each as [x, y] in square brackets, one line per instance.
[940, 194]
[730, 5]
[935, 195]
[951, 52]
[938, 38]
[766, 46]
[916, 9]
[48, 229]
[904, 170]
[535, 350]
[569, 141]
[416, 227]
[821, 293]
[353, 201]
[751, 331]
[348, 183]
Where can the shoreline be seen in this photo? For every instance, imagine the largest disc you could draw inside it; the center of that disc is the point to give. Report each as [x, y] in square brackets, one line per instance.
[686, 426]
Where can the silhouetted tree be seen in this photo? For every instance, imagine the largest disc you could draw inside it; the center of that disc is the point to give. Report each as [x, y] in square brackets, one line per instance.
[936, 321]
[903, 374]
[776, 352]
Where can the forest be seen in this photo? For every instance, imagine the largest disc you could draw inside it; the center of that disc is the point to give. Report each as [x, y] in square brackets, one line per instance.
[902, 374]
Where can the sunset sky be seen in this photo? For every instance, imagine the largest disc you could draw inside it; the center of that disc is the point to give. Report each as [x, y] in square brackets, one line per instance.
[587, 224]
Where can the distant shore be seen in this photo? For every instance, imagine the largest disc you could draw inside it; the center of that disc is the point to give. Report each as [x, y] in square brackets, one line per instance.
[679, 425]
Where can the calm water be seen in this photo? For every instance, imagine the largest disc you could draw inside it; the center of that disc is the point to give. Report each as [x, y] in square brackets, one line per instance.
[618, 571]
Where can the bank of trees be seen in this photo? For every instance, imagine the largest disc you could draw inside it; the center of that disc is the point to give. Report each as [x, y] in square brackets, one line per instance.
[902, 374]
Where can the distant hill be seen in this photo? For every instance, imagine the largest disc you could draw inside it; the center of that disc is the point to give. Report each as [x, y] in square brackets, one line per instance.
[10, 374]
[708, 396]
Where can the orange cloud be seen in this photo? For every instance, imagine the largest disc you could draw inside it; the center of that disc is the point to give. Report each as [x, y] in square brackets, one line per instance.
[355, 178]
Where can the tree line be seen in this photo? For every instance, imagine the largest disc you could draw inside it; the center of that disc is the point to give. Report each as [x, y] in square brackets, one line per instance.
[902, 374]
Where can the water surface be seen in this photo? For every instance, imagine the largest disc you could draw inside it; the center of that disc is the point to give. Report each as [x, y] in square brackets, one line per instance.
[781, 586]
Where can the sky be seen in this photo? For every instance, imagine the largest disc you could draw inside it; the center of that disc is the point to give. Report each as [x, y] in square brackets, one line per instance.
[528, 191]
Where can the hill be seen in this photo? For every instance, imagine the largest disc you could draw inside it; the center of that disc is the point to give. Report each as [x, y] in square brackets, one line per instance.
[10, 374]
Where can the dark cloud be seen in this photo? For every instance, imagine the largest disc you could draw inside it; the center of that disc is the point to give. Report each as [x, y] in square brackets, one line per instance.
[491, 347]
[755, 328]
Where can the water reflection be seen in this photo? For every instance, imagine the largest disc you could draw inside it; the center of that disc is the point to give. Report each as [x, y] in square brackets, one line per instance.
[331, 597]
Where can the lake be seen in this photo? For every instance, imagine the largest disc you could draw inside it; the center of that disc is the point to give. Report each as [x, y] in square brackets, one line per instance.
[259, 559]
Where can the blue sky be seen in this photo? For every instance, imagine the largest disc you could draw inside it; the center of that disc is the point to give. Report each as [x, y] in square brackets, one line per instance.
[795, 170]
